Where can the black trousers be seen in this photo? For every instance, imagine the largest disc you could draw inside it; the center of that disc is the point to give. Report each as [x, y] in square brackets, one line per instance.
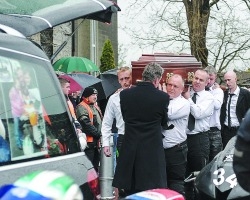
[176, 161]
[119, 145]
[227, 134]
[197, 158]
[93, 154]
[215, 142]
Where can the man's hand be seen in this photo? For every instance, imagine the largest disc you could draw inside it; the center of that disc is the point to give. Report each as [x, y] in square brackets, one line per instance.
[216, 85]
[186, 94]
[78, 131]
[106, 151]
[163, 87]
[116, 191]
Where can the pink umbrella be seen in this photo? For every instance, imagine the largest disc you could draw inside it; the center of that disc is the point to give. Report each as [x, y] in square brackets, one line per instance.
[74, 86]
[79, 81]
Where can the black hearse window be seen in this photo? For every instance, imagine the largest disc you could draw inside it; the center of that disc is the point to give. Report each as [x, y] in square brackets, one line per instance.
[33, 117]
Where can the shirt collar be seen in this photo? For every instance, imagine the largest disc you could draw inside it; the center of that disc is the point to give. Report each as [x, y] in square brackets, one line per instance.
[176, 97]
[198, 93]
[237, 91]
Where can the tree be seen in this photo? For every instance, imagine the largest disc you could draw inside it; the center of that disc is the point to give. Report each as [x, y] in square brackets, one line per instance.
[122, 54]
[107, 57]
[229, 42]
[184, 25]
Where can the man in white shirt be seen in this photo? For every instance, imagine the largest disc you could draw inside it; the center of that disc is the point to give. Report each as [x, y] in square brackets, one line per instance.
[113, 111]
[202, 106]
[174, 141]
[215, 127]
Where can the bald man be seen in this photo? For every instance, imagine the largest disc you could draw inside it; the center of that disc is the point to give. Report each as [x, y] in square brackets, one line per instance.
[201, 109]
[174, 141]
[235, 105]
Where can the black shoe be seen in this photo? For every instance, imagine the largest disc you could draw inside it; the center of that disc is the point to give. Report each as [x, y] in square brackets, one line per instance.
[122, 193]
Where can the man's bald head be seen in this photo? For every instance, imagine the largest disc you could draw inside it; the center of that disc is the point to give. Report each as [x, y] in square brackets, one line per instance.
[230, 79]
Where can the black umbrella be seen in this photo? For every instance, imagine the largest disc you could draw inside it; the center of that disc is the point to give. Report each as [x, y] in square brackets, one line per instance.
[217, 180]
[111, 71]
[107, 86]
[31, 18]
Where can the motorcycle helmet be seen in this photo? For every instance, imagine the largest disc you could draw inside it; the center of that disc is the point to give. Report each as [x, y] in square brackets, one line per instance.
[217, 180]
[156, 194]
[42, 185]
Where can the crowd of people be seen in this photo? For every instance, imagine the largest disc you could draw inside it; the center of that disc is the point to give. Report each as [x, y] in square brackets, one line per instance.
[164, 131]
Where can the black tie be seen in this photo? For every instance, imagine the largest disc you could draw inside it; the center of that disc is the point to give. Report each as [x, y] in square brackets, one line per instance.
[228, 110]
[207, 88]
[191, 119]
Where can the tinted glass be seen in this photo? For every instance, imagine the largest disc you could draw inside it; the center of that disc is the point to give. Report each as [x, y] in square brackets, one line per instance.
[33, 118]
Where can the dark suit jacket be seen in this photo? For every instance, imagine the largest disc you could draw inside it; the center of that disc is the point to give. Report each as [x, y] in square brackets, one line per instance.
[241, 157]
[243, 104]
[144, 110]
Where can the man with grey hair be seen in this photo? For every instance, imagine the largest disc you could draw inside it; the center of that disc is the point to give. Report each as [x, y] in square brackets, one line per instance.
[141, 163]
[214, 133]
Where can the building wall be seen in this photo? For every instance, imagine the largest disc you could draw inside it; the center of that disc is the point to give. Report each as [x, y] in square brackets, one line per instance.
[79, 44]
[104, 32]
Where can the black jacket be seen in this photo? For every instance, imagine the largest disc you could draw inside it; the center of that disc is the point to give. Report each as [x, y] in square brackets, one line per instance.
[144, 111]
[241, 158]
[243, 104]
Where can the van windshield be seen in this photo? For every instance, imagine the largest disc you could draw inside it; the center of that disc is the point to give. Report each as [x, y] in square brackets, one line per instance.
[33, 117]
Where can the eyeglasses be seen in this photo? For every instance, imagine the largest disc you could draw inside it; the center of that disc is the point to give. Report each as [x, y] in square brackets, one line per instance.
[125, 78]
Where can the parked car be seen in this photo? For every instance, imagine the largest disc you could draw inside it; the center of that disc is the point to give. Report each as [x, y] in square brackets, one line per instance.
[36, 129]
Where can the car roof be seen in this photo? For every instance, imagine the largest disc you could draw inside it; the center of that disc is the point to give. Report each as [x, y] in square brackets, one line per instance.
[30, 17]
[21, 46]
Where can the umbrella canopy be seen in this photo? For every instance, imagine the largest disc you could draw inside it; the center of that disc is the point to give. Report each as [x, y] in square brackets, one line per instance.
[75, 64]
[111, 71]
[31, 17]
[79, 81]
[108, 86]
[217, 180]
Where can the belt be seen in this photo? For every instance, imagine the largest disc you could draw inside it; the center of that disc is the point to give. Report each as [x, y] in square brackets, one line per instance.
[233, 128]
[177, 145]
[193, 135]
[214, 129]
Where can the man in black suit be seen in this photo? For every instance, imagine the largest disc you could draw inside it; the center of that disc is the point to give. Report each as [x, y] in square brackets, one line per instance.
[141, 164]
[235, 105]
[241, 157]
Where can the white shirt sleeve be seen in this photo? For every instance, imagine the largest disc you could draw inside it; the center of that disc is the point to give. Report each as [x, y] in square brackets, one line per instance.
[107, 122]
[178, 110]
[204, 106]
[218, 98]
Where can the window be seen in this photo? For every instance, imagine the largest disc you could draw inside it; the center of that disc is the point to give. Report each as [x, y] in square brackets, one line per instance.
[34, 122]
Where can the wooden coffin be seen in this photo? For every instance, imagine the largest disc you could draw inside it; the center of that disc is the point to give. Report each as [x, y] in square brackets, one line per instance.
[183, 64]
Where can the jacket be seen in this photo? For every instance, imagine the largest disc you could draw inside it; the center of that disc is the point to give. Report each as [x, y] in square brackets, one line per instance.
[141, 159]
[243, 104]
[90, 127]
